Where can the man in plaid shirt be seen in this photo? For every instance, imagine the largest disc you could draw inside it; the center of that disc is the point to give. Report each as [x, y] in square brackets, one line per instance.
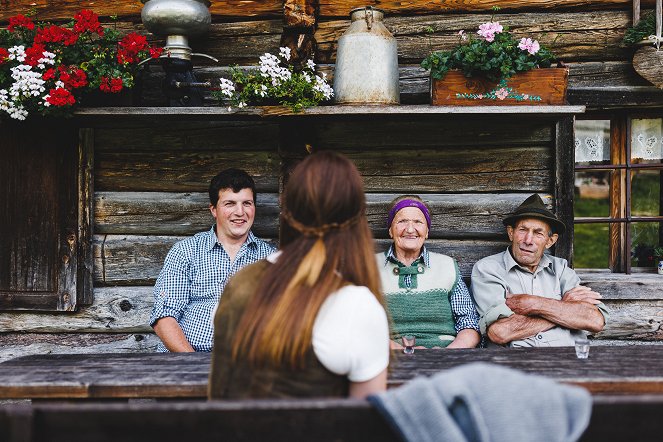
[196, 269]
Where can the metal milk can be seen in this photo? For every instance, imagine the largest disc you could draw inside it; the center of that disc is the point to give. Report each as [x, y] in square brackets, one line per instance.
[366, 61]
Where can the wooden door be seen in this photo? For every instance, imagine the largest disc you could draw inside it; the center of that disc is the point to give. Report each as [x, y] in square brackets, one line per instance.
[40, 232]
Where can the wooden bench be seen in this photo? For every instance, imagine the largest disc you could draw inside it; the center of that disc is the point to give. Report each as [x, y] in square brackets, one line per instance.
[632, 418]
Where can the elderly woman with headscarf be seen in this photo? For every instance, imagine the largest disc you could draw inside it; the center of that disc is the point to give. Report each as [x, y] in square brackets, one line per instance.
[425, 294]
[308, 321]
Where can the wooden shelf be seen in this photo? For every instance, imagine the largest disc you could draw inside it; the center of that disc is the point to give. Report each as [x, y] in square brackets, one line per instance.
[274, 112]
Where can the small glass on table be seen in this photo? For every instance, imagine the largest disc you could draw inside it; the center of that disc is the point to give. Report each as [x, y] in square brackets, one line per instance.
[408, 344]
[582, 348]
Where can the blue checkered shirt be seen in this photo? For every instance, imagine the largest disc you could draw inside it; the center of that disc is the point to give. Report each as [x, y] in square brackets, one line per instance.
[462, 306]
[192, 279]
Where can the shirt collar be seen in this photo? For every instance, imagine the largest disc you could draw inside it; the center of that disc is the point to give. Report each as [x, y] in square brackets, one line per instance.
[510, 263]
[212, 240]
[390, 256]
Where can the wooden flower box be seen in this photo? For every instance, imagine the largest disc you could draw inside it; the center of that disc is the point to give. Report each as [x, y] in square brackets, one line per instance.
[538, 86]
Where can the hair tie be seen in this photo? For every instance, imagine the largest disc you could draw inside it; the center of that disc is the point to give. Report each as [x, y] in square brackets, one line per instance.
[408, 203]
[319, 231]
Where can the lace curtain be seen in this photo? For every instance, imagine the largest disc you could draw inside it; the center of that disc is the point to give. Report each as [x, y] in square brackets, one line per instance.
[592, 140]
[647, 139]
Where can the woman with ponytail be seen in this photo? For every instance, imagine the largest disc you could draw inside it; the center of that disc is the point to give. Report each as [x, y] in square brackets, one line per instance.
[308, 321]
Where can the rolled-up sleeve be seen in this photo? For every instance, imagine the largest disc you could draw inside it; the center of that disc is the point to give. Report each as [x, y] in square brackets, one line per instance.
[171, 291]
[489, 291]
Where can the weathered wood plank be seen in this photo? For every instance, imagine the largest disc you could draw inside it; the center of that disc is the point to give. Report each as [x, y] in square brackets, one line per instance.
[115, 309]
[636, 286]
[180, 170]
[196, 135]
[571, 36]
[163, 213]
[137, 260]
[453, 216]
[127, 310]
[14, 345]
[223, 9]
[336, 8]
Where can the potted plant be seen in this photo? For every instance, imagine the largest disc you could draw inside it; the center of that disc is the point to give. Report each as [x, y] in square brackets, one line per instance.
[48, 69]
[275, 82]
[658, 254]
[495, 68]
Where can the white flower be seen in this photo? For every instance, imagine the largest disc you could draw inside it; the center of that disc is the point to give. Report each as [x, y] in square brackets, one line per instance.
[321, 86]
[17, 53]
[227, 87]
[307, 77]
[241, 104]
[284, 52]
[310, 64]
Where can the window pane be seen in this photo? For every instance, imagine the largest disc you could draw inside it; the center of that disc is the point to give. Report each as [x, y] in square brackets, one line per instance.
[592, 193]
[646, 192]
[590, 246]
[644, 237]
[647, 140]
[592, 141]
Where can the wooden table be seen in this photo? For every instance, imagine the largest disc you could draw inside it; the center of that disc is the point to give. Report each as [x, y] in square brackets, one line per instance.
[609, 370]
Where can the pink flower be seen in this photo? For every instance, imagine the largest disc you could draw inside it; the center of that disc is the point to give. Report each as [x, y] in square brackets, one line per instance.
[501, 93]
[525, 97]
[529, 45]
[489, 30]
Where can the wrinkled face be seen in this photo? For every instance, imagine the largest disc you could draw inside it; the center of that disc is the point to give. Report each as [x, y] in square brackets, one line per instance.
[234, 214]
[529, 239]
[409, 230]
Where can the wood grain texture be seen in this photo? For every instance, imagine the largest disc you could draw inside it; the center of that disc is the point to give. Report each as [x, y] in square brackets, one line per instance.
[14, 345]
[572, 36]
[180, 170]
[547, 85]
[225, 9]
[127, 310]
[115, 309]
[453, 215]
[648, 62]
[177, 213]
[613, 418]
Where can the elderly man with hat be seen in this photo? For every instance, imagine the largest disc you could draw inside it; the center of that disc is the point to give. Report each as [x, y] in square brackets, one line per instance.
[527, 298]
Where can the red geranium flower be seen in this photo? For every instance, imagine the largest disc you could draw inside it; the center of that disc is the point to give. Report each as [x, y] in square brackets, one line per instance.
[33, 54]
[56, 34]
[110, 85]
[21, 21]
[4, 55]
[60, 97]
[130, 46]
[72, 77]
[49, 74]
[87, 20]
[156, 52]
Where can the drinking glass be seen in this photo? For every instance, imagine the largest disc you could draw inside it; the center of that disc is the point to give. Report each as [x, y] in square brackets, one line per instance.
[582, 348]
[408, 344]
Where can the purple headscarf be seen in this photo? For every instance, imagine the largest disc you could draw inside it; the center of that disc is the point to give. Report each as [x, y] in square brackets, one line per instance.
[408, 203]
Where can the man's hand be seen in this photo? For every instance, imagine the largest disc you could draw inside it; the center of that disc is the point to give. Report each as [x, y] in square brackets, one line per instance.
[582, 294]
[525, 305]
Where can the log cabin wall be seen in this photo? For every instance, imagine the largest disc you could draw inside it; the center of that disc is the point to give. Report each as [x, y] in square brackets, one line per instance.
[150, 179]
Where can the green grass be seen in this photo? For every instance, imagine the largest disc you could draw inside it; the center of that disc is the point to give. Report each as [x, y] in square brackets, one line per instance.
[591, 241]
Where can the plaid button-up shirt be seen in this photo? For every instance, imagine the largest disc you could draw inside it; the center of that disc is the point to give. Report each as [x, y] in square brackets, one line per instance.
[463, 309]
[192, 279]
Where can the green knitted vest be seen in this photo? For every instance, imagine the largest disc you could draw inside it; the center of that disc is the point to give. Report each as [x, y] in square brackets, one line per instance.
[423, 310]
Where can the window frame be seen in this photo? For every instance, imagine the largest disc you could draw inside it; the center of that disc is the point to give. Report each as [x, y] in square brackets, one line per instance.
[621, 168]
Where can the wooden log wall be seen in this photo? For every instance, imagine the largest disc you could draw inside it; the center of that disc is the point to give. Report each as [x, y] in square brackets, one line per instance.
[150, 179]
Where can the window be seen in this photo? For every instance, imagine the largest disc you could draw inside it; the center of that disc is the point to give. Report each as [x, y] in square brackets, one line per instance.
[618, 215]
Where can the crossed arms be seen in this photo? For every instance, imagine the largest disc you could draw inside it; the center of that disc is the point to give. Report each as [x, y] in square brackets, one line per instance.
[533, 314]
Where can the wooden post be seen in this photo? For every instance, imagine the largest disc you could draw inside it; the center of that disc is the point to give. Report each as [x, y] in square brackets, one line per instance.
[299, 18]
[564, 180]
[636, 12]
